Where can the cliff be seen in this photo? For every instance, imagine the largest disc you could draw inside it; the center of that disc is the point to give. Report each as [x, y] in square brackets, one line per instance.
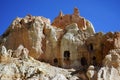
[68, 42]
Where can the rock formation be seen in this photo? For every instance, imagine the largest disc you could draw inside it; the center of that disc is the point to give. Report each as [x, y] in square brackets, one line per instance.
[30, 69]
[27, 31]
[63, 20]
[51, 43]
[69, 41]
[111, 68]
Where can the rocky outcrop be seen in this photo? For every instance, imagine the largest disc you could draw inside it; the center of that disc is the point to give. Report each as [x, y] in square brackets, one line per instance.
[63, 20]
[50, 43]
[21, 68]
[69, 42]
[111, 41]
[27, 31]
[111, 68]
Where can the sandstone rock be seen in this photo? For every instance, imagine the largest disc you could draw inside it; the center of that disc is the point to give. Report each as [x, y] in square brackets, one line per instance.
[70, 42]
[50, 43]
[31, 69]
[111, 41]
[4, 54]
[27, 31]
[63, 20]
[111, 68]
[4, 51]
[113, 58]
[91, 72]
[59, 77]
[94, 46]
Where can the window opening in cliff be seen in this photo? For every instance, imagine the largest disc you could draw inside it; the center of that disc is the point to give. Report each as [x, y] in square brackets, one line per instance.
[90, 47]
[66, 55]
[83, 61]
[94, 61]
[55, 60]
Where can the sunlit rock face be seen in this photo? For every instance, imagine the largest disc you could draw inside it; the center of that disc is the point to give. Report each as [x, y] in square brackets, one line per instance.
[24, 67]
[61, 21]
[69, 41]
[111, 68]
[27, 31]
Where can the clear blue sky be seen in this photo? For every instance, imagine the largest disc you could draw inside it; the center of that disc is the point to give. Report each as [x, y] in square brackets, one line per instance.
[104, 14]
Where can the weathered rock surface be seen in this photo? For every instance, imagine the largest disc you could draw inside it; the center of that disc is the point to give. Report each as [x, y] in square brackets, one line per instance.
[69, 42]
[63, 20]
[111, 68]
[50, 43]
[27, 31]
[29, 69]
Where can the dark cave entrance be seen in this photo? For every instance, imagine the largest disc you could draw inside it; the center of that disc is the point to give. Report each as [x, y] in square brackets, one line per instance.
[90, 47]
[94, 62]
[66, 55]
[83, 61]
[55, 61]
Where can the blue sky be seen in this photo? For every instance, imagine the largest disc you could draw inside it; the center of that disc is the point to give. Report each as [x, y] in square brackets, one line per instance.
[104, 14]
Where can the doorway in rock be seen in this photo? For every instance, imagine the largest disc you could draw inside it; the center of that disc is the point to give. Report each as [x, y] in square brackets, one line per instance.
[94, 62]
[90, 47]
[66, 55]
[83, 61]
[55, 61]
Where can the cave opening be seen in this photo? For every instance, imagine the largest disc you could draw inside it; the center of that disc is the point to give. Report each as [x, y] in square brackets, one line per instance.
[83, 61]
[94, 60]
[66, 55]
[90, 47]
[55, 60]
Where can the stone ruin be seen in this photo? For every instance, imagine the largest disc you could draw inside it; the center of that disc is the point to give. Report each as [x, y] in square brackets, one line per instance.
[69, 42]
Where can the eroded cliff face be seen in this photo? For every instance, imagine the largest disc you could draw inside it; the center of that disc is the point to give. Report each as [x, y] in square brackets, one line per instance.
[62, 21]
[24, 67]
[27, 31]
[69, 42]
[51, 43]
[111, 68]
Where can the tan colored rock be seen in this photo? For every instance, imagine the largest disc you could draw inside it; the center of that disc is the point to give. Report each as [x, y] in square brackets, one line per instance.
[4, 54]
[63, 20]
[27, 31]
[31, 69]
[90, 73]
[111, 41]
[70, 42]
[94, 47]
[113, 58]
[111, 68]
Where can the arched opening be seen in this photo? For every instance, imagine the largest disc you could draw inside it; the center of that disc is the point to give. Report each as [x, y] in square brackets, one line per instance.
[94, 60]
[66, 55]
[55, 60]
[83, 61]
[90, 47]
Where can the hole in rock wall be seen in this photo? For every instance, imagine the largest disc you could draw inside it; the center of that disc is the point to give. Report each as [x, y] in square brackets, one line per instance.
[94, 61]
[83, 61]
[55, 60]
[90, 47]
[66, 55]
